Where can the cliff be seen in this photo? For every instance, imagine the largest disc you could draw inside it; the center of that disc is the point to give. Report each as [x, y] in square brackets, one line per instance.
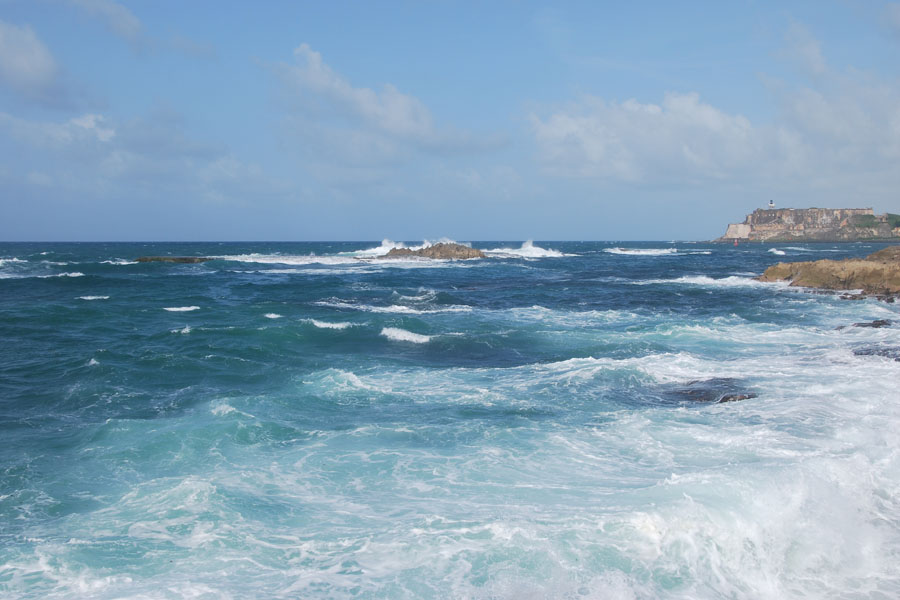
[878, 274]
[814, 225]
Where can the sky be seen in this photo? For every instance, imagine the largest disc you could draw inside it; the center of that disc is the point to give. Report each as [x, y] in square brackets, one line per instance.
[208, 120]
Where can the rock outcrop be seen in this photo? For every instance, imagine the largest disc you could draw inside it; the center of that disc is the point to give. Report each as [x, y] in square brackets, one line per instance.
[441, 251]
[715, 390]
[173, 259]
[814, 225]
[876, 275]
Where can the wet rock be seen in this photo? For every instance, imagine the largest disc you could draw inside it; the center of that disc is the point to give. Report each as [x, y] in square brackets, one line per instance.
[712, 391]
[736, 397]
[877, 324]
[445, 251]
[173, 259]
[876, 275]
[892, 352]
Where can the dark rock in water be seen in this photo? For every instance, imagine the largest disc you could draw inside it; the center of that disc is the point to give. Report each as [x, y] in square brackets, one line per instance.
[715, 390]
[173, 259]
[736, 397]
[876, 324]
[440, 251]
[892, 352]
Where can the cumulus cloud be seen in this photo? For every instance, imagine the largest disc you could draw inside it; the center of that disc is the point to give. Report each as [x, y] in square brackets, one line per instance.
[341, 125]
[390, 111]
[840, 132]
[633, 141]
[27, 67]
[94, 154]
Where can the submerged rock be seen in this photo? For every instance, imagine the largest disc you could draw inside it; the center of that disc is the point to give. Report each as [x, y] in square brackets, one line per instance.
[441, 251]
[716, 390]
[876, 324]
[173, 259]
[892, 352]
[876, 275]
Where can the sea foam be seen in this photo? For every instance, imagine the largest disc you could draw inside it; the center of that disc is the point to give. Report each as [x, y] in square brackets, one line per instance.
[329, 325]
[181, 308]
[642, 251]
[527, 250]
[401, 335]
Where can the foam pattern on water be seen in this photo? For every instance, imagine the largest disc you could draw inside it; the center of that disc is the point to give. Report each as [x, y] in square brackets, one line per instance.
[443, 433]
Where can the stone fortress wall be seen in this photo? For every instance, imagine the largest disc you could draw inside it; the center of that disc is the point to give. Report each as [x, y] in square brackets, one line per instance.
[812, 224]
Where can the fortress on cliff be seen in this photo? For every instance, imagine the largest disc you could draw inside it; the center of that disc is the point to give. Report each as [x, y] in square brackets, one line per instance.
[814, 225]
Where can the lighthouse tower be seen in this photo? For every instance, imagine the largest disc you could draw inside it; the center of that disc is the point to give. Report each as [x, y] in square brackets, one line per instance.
[771, 204]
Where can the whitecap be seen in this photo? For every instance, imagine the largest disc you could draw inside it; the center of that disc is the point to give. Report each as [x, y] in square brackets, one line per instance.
[93, 362]
[118, 261]
[72, 274]
[272, 316]
[93, 297]
[526, 250]
[385, 247]
[181, 308]
[704, 280]
[290, 259]
[776, 251]
[396, 308]
[327, 325]
[222, 409]
[12, 259]
[186, 329]
[401, 335]
[642, 251]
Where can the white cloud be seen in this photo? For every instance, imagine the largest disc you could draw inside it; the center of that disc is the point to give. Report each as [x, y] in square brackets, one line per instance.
[390, 111]
[840, 133]
[26, 65]
[116, 17]
[680, 138]
[46, 134]
[340, 126]
[91, 155]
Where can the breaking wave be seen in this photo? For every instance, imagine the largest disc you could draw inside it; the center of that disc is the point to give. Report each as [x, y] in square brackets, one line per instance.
[527, 250]
[642, 251]
[401, 335]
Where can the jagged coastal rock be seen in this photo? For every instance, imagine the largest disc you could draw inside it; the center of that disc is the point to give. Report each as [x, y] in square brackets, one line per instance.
[814, 225]
[876, 275]
[173, 259]
[441, 251]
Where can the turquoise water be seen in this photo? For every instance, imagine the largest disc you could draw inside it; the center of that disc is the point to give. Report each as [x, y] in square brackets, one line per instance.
[294, 420]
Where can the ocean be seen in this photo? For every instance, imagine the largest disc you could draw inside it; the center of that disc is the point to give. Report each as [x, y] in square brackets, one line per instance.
[300, 420]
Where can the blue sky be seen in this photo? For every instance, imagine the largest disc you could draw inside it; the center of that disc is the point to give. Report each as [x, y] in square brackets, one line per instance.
[204, 120]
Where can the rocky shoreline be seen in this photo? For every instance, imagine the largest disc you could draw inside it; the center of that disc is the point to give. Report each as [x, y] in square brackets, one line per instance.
[877, 275]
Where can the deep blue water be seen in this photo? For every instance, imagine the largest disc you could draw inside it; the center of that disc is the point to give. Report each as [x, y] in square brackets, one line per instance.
[297, 420]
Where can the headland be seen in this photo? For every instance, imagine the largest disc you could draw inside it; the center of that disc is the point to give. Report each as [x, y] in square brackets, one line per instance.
[875, 275]
[814, 225]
